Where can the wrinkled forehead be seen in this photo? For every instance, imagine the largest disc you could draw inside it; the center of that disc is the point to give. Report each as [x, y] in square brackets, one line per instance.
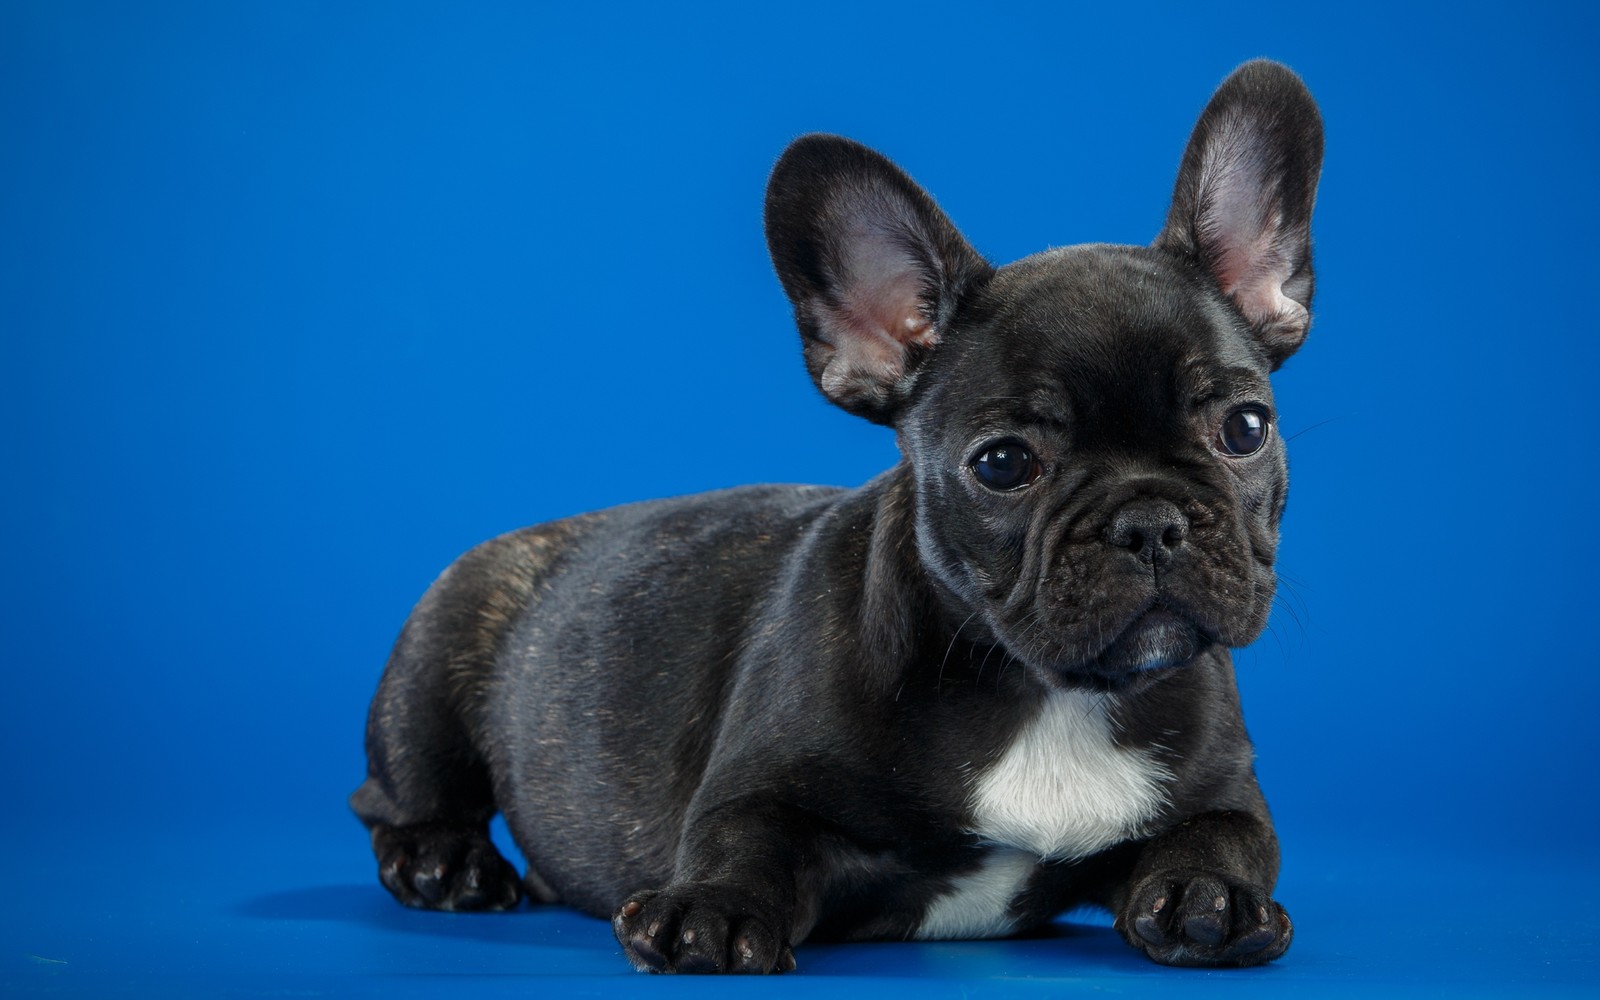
[1106, 327]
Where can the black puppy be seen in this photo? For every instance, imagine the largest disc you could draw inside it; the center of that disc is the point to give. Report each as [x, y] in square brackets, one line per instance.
[990, 685]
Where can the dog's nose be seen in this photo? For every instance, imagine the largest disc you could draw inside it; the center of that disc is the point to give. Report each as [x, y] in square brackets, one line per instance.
[1151, 529]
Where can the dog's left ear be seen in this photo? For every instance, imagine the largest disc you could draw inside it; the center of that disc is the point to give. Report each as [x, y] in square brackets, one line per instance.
[1242, 204]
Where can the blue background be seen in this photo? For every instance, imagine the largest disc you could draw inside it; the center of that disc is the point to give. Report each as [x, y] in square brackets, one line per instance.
[298, 301]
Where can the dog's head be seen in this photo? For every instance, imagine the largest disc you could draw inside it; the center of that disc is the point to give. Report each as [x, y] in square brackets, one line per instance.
[1098, 472]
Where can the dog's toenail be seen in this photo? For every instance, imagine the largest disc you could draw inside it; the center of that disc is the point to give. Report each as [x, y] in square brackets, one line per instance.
[1158, 904]
[1220, 903]
[688, 937]
[632, 908]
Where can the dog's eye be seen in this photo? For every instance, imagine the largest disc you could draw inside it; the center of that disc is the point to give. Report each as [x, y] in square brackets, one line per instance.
[1006, 465]
[1244, 432]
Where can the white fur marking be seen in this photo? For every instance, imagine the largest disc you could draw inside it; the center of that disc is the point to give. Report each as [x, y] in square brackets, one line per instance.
[1064, 789]
[978, 904]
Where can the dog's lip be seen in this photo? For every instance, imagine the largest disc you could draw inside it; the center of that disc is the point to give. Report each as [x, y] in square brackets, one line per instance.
[1157, 637]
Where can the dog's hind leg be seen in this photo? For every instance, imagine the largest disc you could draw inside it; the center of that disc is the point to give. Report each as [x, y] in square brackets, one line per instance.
[428, 797]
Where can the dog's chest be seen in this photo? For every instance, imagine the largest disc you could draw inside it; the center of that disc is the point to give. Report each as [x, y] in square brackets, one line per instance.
[1062, 790]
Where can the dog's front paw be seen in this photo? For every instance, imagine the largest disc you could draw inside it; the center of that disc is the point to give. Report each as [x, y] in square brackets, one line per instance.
[441, 867]
[699, 927]
[1204, 919]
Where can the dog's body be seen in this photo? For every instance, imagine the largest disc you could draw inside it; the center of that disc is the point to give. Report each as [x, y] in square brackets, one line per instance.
[990, 685]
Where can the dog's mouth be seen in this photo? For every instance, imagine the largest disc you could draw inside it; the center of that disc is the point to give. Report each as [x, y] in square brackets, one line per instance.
[1160, 636]
[1157, 638]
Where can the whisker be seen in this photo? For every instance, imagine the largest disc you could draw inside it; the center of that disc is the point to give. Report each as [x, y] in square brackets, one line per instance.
[955, 638]
[1303, 430]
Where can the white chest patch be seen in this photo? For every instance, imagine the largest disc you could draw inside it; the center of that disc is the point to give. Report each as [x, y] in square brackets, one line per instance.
[978, 904]
[1062, 790]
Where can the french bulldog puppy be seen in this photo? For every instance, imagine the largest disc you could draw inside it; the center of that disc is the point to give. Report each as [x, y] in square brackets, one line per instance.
[990, 685]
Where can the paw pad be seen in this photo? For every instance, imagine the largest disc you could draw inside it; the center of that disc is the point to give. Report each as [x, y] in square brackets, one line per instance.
[444, 868]
[1204, 919]
[699, 929]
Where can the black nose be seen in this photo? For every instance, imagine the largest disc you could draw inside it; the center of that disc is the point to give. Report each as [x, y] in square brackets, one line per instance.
[1153, 530]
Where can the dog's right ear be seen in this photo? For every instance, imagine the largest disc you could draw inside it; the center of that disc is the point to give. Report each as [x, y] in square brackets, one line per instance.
[873, 267]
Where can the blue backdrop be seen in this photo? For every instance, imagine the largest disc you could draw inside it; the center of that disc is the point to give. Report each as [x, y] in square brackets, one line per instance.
[298, 301]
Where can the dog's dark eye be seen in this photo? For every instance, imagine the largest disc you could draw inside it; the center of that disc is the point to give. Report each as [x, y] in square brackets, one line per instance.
[1006, 465]
[1244, 432]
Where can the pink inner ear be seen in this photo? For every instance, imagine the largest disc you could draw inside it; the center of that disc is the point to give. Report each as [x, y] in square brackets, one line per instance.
[885, 306]
[880, 316]
[1251, 269]
[1240, 228]
[870, 334]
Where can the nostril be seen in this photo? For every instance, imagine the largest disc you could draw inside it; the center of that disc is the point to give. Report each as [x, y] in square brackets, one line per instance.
[1174, 535]
[1153, 530]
